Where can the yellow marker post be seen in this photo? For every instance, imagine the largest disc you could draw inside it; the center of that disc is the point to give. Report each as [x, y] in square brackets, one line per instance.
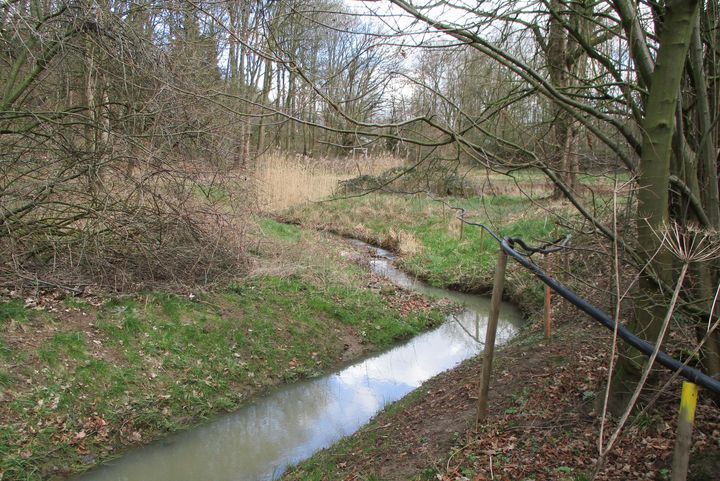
[683, 441]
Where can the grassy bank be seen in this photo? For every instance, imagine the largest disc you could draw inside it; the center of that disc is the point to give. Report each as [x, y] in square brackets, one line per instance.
[431, 242]
[83, 379]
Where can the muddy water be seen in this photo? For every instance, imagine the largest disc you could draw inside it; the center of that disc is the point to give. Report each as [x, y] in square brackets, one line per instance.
[262, 439]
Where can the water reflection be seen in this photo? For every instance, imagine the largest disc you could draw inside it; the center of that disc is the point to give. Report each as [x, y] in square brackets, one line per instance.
[472, 318]
[259, 441]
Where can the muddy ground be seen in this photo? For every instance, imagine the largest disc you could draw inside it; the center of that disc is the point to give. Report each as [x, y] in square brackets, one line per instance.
[543, 423]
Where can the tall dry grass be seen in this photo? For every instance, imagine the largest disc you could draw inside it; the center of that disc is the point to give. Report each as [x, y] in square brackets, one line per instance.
[283, 181]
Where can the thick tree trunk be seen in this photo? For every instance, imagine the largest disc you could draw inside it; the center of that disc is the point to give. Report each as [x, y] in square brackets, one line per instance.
[652, 215]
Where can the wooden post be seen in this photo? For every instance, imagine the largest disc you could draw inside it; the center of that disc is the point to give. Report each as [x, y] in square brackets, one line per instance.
[482, 241]
[548, 307]
[683, 441]
[548, 311]
[498, 285]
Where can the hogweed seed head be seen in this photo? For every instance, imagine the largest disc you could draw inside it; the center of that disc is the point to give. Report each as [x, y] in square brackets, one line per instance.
[691, 243]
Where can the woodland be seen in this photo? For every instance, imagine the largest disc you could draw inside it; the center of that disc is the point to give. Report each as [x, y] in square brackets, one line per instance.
[132, 134]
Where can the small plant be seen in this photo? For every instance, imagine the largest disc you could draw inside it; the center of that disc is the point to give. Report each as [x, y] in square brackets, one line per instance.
[521, 398]
[6, 379]
[429, 474]
[644, 421]
[467, 471]
[75, 303]
[13, 310]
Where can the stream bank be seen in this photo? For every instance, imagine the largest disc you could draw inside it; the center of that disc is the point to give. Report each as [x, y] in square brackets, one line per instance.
[273, 432]
[542, 424]
[83, 380]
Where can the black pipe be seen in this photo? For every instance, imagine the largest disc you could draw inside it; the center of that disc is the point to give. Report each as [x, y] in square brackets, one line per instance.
[638, 343]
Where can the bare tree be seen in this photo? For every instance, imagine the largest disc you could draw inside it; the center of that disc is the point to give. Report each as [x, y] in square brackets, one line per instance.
[653, 113]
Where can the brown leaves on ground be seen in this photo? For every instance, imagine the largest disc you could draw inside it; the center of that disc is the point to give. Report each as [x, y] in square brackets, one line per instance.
[543, 423]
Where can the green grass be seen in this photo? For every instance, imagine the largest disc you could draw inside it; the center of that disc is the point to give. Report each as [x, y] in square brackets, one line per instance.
[6, 379]
[444, 258]
[13, 310]
[68, 345]
[75, 303]
[157, 362]
[448, 260]
[607, 178]
[280, 231]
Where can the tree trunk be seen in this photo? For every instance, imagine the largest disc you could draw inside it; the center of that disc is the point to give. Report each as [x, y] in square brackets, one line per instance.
[652, 211]
[560, 63]
[267, 83]
[91, 128]
[708, 166]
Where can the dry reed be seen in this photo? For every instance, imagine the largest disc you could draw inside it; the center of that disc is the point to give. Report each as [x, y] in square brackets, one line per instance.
[283, 181]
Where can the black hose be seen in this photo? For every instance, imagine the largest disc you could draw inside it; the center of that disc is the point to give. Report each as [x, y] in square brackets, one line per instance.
[647, 348]
[638, 343]
[546, 248]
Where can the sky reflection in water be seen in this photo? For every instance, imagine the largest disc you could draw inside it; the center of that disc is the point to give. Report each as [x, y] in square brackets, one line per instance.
[260, 440]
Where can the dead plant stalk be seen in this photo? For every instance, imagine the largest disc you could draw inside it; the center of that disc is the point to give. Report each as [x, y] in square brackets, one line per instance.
[688, 246]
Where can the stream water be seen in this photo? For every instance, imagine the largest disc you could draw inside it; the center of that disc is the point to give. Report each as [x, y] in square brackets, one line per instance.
[259, 441]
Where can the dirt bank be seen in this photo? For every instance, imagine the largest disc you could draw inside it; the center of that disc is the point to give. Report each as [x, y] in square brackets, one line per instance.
[543, 422]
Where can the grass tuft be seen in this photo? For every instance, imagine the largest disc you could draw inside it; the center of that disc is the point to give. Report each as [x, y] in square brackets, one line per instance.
[13, 310]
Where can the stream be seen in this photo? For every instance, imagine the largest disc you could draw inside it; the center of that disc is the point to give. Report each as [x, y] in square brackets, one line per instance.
[262, 439]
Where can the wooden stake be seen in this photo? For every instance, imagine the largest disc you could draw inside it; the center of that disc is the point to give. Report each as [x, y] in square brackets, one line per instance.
[683, 441]
[498, 285]
[482, 241]
[548, 307]
[548, 311]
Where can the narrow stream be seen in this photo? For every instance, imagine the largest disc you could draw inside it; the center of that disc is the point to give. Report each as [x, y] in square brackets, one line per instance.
[262, 439]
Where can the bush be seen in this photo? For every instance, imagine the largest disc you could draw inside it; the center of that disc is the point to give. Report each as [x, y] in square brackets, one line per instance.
[143, 229]
[436, 179]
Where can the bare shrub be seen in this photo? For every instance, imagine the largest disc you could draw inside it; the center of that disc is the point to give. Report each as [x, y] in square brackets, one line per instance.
[157, 227]
[115, 165]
